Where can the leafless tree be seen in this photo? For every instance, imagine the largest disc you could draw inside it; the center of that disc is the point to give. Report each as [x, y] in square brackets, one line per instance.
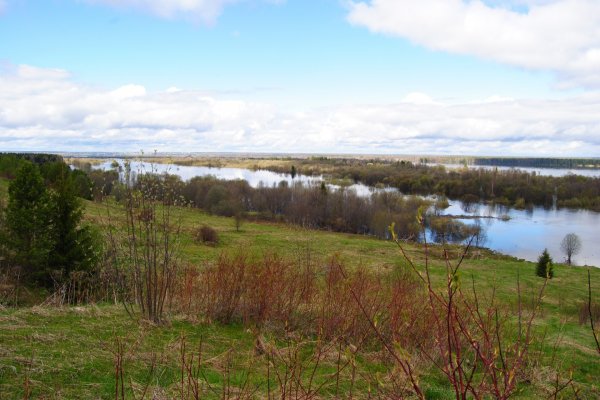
[570, 245]
[147, 252]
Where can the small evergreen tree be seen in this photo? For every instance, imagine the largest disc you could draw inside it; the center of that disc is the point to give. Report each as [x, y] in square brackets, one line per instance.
[73, 246]
[28, 221]
[43, 226]
[545, 267]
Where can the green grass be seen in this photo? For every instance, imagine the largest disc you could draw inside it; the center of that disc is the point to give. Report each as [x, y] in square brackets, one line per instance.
[67, 352]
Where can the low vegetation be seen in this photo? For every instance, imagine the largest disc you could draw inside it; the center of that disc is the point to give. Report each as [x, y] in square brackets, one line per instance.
[277, 310]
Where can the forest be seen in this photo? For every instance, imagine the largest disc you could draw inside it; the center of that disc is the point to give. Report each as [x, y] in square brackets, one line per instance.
[509, 187]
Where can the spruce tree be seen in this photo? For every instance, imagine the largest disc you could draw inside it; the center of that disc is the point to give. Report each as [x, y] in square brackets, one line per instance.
[44, 227]
[545, 267]
[29, 222]
[74, 245]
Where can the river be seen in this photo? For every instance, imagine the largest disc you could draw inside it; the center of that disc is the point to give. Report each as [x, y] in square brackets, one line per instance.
[591, 173]
[524, 235]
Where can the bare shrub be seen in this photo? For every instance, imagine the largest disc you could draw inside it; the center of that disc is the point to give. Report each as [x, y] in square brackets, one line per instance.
[206, 235]
[223, 286]
[10, 283]
[271, 291]
[585, 312]
[79, 287]
[339, 315]
[409, 318]
[256, 291]
[188, 294]
[280, 293]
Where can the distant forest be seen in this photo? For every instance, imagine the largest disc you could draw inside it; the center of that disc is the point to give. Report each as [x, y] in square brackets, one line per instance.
[540, 162]
[581, 163]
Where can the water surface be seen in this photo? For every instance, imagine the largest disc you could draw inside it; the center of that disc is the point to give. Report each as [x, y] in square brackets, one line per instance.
[556, 172]
[529, 232]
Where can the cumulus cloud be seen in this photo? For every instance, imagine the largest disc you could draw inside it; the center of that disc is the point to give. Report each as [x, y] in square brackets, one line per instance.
[205, 11]
[562, 36]
[43, 109]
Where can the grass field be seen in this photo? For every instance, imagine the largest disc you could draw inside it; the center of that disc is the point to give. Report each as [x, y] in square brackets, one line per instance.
[69, 352]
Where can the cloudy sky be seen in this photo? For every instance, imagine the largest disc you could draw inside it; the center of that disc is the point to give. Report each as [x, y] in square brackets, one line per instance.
[493, 77]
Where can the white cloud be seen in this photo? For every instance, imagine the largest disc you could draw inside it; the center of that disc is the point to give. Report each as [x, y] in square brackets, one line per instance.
[498, 99]
[129, 91]
[562, 36]
[206, 11]
[418, 98]
[43, 109]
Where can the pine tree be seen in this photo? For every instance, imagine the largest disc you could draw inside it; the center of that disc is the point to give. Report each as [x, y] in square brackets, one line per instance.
[545, 267]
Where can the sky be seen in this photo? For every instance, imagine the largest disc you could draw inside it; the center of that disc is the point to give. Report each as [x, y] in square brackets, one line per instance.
[444, 77]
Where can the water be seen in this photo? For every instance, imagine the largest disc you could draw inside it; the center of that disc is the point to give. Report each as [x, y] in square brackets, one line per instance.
[529, 232]
[524, 235]
[557, 172]
[255, 178]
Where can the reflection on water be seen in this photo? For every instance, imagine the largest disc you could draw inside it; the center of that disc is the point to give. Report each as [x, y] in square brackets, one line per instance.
[524, 235]
[529, 231]
[594, 173]
[254, 178]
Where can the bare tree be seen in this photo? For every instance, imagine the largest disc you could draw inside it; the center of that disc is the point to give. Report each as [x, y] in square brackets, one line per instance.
[571, 245]
[147, 252]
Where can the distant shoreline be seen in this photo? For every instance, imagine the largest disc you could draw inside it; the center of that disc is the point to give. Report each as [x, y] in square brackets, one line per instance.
[576, 163]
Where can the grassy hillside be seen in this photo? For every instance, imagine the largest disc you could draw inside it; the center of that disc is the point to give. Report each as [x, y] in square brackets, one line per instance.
[69, 352]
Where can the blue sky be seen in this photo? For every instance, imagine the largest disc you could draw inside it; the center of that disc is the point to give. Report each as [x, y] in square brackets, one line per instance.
[382, 76]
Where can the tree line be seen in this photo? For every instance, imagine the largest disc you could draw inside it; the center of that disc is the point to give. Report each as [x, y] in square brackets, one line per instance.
[312, 207]
[539, 162]
[522, 162]
[512, 188]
